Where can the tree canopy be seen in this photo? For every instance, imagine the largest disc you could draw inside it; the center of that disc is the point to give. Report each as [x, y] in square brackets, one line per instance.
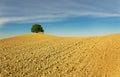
[36, 28]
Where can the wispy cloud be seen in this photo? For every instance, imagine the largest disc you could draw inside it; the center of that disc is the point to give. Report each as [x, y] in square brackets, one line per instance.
[27, 11]
[30, 19]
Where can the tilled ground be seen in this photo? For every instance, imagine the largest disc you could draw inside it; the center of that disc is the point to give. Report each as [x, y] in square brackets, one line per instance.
[37, 55]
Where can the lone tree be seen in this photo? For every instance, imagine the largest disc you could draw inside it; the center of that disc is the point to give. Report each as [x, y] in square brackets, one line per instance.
[36, 28]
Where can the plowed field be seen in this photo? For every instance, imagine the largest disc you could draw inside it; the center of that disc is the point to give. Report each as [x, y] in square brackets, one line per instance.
[39, 55]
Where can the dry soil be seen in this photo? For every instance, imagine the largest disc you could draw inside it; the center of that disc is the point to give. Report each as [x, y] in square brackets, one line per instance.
[40, 55]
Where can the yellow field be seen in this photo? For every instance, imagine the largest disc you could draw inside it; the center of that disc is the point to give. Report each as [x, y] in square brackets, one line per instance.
[37, 55]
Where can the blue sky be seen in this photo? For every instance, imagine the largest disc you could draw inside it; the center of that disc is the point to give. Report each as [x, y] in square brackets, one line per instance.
[60, 17]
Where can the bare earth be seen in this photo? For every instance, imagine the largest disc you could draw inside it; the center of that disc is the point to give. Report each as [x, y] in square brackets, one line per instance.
[37, 55]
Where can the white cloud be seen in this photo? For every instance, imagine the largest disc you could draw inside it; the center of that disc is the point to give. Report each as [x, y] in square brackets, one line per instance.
[54, 17]
[29, 19]
[54, 10]
[1, 24]
[96, 14]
